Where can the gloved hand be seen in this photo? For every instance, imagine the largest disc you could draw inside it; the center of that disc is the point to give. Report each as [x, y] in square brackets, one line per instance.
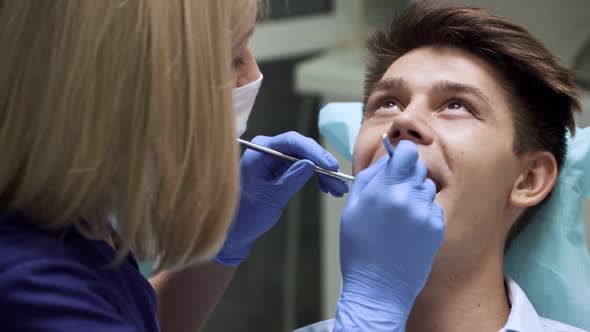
[267, 184]
[391, 230]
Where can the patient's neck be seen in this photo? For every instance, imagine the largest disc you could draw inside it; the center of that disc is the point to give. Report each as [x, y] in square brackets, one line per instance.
[455, 300]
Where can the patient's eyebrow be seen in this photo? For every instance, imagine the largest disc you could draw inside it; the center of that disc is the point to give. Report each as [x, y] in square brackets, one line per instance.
[389, 84]
[450, 86]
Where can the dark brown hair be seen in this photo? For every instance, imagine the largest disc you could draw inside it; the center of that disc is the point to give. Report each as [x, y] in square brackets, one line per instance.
[543, 94]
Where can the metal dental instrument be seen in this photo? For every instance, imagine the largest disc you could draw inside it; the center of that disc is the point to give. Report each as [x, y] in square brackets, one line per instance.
[387, 144]
[318, 169]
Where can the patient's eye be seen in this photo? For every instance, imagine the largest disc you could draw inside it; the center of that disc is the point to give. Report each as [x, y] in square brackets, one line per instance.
[458, 105]
[382, 105]
[390, 105]
[455, 105]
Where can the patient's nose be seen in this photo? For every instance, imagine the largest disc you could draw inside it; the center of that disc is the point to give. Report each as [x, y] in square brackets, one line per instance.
[412, 126]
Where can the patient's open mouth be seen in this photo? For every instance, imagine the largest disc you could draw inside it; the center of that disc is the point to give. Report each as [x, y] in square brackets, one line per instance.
[436, 181]
[438, 186]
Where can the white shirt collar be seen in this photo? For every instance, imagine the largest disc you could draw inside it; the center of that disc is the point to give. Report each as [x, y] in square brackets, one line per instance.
[523, 317]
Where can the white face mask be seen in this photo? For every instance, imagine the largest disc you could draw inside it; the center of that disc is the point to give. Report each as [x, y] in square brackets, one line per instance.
[244, 98]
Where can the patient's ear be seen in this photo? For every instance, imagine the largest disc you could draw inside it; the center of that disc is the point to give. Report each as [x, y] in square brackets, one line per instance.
[536, 180]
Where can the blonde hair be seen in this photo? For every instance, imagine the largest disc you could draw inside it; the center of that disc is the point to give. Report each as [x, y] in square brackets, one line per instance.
[121, 110]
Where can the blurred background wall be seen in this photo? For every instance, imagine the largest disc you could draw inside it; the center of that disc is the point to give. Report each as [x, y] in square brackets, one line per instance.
[311, 53]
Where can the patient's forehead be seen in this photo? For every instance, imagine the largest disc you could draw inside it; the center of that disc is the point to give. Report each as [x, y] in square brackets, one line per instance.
[424, 66]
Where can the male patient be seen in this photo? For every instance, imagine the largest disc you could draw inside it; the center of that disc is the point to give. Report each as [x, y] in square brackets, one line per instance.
[488, 108]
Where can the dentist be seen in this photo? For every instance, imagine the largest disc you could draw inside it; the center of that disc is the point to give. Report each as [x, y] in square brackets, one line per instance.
[375, 297]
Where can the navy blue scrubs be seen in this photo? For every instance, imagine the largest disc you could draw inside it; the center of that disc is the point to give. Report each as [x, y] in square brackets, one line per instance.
[57, 282]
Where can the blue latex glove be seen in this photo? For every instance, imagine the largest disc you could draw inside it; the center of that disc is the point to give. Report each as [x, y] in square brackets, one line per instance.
[267, 184]
[391, 230]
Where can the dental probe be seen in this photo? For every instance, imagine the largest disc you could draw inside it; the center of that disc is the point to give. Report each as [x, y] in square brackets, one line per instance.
[318, 169]
[387, 144]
